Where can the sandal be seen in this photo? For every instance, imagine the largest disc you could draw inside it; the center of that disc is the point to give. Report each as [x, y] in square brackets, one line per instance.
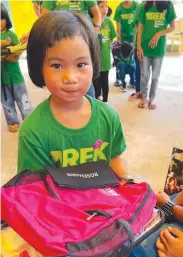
[13, 128]
[152, 106]
[142, 104]
[134, 96]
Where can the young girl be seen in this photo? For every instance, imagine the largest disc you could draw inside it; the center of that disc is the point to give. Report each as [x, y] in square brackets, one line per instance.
[136, 95]
[108, 32]
[12, 82]
[68, 128]
[154, 18]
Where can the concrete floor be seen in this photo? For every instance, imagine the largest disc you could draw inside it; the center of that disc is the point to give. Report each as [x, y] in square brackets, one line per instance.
[150, 134]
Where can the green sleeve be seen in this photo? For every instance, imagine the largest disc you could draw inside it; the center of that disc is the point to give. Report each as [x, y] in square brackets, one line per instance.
[113, 33]
[32, 156]
[171, 15]
[141, 14]
[14, 38]
[90, 4]
[137, 15]
[118, 143]
[49, 5]
[117, 17]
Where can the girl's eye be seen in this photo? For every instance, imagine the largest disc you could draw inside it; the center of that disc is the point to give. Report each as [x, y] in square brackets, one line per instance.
[56, 66]
[81, 65]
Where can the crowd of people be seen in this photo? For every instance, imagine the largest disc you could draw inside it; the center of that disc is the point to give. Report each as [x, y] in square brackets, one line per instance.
[70, 54]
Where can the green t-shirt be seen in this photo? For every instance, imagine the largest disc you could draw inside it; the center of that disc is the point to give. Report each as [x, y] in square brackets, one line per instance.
[126, 17]
[45, 141]
[154, 22]
[109, 33]
[76, 6]
[10, 70]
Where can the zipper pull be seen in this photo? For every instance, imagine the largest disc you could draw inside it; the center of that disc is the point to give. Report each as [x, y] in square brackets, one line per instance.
[91, 216]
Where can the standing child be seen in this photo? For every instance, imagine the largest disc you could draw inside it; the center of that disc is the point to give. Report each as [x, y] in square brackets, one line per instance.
[125, 22]
[125, 65]
[12, 82]
[154, 18]
[136, 95]
[68, 128]
[108, 32]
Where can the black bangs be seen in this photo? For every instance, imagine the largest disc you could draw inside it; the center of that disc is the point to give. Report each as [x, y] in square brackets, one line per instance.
[5, 16]
[69, 29]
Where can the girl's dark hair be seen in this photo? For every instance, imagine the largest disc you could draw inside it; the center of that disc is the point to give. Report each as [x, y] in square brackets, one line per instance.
[53, 27]
[109, 8]
[5, 15]
[160, 5]
[108, 13]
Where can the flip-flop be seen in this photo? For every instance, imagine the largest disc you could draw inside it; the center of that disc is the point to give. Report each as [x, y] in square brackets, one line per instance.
[133, 97]
[13, 128]
[152, 106]
[142, 105]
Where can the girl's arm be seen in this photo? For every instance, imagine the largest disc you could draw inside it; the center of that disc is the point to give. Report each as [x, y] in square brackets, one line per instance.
[118, 25]
[177, 210]
[36, 9]
[117, 164]
[139, 41]
[5, 42]
[97, 19]
[156, 37]
[43, 11]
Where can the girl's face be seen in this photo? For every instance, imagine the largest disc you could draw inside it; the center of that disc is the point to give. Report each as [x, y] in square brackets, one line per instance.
[68, 70]
[103, 7]
[3, 24]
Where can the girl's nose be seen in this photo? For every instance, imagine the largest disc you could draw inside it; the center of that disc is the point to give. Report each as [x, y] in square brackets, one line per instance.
[69, 78]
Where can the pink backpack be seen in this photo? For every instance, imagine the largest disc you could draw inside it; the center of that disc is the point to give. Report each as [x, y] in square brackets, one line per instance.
[79, 211]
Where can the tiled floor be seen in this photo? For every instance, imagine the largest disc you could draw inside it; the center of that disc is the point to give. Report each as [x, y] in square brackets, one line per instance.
[150, 134]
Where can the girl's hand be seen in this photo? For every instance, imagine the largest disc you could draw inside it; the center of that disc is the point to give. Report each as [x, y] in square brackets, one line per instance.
[97, 30]
[24, 38]
[154, 41]
[13, 58]
[170, 243]
[6, 42]
[140, 53]
[162, 198]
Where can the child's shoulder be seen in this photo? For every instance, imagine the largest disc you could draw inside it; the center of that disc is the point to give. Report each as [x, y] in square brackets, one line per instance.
[105, 109]
[36, 119]
[10, 33]
[108, 20]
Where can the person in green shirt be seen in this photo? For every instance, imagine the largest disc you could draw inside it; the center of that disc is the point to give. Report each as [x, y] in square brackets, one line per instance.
[68, 128]
[156, 19]
[12, 82]
[80, 6]
[136, 95]
[125, 20]
[108, 32]
[125, 23]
